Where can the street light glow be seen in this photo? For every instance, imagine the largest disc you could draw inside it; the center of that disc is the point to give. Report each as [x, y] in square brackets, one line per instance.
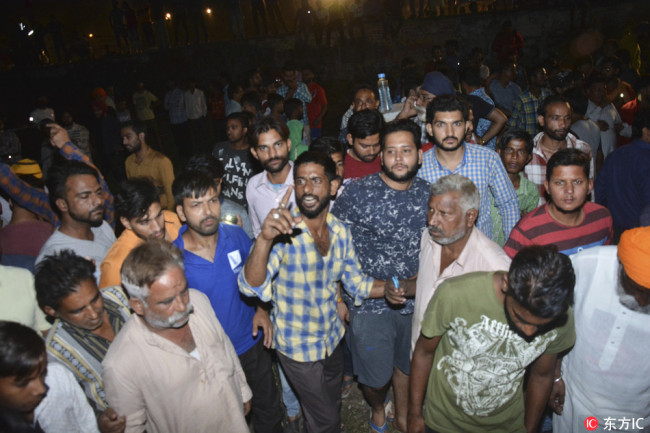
[168, 16]
[209, 11]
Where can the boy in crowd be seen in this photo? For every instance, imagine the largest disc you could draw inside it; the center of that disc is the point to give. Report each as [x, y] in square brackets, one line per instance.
[275, 107]
[516, 150]
[294, 112]
[236, 158]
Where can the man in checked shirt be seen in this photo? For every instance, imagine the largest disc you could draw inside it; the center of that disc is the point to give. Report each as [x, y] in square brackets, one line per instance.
[296, 262]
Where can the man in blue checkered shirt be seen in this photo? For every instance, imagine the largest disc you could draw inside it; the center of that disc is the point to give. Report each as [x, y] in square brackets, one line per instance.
[447, 117]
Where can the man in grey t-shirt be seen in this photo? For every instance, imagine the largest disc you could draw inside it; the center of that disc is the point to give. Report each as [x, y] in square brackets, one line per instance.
[77, 197]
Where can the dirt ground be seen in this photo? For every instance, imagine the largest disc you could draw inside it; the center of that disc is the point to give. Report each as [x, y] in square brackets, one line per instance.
[355, 413]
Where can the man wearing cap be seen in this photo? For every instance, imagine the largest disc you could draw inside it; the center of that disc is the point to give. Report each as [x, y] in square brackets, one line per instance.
[436, 84]
[607, 375]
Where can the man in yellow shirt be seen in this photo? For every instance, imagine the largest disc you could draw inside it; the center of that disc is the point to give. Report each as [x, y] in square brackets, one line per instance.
[146, 162]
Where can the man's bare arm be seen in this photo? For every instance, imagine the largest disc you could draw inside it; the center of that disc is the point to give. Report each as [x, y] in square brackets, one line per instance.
[540, 383]
[425, 350]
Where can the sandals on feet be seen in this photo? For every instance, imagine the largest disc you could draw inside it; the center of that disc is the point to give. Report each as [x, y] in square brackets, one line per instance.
[375, 429]
[388, 411]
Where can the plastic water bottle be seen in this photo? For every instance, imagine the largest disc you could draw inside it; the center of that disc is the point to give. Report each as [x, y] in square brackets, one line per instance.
[385, 101]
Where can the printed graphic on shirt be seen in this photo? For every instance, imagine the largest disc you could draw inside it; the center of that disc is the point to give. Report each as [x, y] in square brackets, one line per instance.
[239, 167]
[488, 360]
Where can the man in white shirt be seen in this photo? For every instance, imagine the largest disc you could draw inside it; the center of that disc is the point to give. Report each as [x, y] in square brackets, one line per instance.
[270, 146]
[603, 113]
[604, 380]
[196, 110]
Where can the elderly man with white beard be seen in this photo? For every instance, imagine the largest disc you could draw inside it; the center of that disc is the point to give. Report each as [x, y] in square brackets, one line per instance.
[451, 245]
[603, 383]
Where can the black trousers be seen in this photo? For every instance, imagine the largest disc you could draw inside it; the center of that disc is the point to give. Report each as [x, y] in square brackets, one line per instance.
[266, 410]
[318, 387]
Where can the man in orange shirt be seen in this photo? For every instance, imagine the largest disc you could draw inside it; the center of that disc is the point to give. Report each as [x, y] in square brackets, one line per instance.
[138, 205]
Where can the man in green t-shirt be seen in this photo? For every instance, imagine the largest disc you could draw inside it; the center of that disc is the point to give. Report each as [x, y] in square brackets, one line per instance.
[480, 333]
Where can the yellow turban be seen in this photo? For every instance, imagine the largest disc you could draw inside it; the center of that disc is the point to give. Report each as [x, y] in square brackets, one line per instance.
[634, 254]
[26, 167]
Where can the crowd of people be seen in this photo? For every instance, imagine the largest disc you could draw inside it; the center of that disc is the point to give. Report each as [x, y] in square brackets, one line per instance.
[475, 236]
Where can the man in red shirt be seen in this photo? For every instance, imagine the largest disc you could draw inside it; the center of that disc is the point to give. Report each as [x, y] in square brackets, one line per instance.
[569, 221]
[317, 108]
[361, 159]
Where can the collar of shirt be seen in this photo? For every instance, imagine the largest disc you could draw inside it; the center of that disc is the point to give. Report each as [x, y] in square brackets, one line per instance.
[265, 182]
[462, 258]
[571, 141]
[467, 159]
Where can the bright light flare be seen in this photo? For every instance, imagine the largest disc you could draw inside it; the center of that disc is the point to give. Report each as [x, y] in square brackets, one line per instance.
[90, 35]
[168, 16]
[208, 11]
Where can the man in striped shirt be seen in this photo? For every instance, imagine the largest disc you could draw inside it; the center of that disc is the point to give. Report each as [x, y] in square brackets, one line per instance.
[568, 220]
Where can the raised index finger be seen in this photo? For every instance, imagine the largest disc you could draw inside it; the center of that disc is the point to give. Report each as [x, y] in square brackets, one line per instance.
[287, 195]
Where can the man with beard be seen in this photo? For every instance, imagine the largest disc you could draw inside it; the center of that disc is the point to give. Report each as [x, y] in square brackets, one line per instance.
[554, 116]
[386, 214]
[569, 221]
[85, 321]
[78, 199]
[172, 368]
[138, 206]
[607, 375]
[296, 263]
[364, 130]
[450, 246]
[480, 334]
[146, 162]
[447, 118]
[364, 98]
[270, 145]
[36, 200]
[213, 256]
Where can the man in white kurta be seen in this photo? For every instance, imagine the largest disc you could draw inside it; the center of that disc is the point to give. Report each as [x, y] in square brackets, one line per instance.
[607, 373]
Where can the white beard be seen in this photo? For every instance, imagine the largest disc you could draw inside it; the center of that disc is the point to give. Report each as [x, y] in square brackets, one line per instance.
[629, 302]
